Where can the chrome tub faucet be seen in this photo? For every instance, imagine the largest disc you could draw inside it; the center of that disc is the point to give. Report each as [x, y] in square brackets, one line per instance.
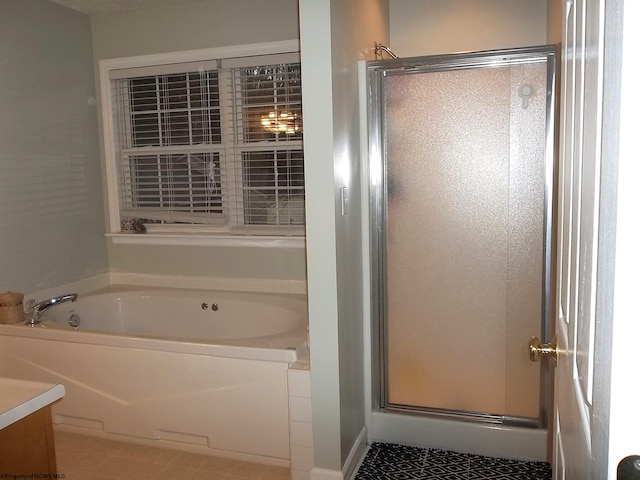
[35, 309]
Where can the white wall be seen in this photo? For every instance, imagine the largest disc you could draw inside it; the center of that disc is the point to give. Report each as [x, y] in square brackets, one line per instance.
[191, 26]
[51, 211]
[334, 36]
[431, 27]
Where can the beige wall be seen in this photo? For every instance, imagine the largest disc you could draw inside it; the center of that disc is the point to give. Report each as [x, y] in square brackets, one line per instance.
[431, 27]
[203, 261]
[355, 26]
[417, 27]
[554, 21]
[51, 212]
[204, 24]
[198, 25]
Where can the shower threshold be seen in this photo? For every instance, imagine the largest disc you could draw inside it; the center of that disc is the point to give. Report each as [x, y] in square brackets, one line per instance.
[462, 416]
[460, 434]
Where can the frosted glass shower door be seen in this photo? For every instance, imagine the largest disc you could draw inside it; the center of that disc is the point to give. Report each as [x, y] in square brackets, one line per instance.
[464, 175]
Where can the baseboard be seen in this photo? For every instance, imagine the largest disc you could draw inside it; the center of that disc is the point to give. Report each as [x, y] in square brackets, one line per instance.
[324, 474]
[350, 467]
[356, 455]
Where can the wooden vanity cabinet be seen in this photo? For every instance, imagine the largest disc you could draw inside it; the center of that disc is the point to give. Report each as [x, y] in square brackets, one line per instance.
[26, 446]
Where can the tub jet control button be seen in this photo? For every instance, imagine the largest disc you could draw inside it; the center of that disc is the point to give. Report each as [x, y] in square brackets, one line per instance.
[74, 320]
[204, 306]
[214, 306]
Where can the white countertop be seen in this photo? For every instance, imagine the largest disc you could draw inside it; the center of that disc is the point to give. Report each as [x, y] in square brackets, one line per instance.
[19, 398]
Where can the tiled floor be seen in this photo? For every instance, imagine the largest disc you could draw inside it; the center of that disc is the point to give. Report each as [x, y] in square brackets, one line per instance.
[87, 458]
[386, 461]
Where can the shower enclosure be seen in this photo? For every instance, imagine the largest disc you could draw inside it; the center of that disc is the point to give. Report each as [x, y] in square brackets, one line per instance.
[461, 188]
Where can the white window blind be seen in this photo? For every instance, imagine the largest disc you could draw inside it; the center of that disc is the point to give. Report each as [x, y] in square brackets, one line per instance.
[268, 127]
[219, 146]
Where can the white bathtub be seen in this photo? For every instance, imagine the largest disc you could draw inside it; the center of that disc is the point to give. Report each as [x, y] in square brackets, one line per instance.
[161, 366]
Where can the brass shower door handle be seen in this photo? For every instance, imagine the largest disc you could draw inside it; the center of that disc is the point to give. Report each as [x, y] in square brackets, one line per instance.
[538, 349]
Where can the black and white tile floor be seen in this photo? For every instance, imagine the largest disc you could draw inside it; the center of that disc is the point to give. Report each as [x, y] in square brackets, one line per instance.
[385, 461]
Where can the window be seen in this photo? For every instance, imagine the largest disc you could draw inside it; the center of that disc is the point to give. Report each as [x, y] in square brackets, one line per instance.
[207, 146]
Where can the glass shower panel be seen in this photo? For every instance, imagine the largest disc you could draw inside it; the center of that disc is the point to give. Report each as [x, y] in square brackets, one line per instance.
[465, 185]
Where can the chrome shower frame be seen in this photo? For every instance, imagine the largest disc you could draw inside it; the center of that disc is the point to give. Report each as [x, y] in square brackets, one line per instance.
[376, 71]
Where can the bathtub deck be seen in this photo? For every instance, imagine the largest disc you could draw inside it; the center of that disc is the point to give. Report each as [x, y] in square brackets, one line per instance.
[80, 457]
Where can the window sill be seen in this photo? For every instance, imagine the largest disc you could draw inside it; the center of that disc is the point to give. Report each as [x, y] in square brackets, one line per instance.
[207, 239]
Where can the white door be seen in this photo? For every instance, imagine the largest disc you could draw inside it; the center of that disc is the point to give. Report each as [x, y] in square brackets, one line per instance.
[578, 214]
[593, 311]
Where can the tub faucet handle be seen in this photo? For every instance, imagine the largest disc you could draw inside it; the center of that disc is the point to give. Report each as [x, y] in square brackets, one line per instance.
[30, 310]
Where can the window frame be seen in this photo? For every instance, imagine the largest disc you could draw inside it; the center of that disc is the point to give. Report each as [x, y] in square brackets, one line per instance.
[178, 234]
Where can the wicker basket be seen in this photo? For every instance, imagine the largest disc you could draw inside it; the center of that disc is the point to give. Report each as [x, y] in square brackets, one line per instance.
[11, 309]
